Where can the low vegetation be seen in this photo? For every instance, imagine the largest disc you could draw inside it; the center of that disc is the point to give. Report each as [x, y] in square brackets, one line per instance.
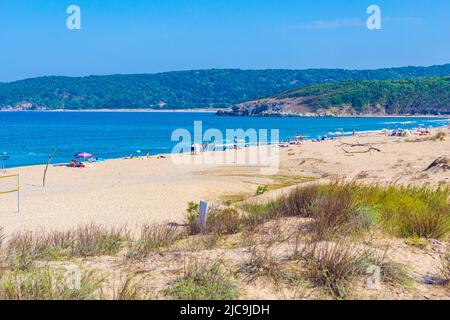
[131, 288]
[261, 189]
[203, 281]
[262, 264]
[408, 96]
[91, 240]
[445, 269]
[343, 208]
[391, 272]
[333, 266]
[153, 238]
[47, 284]
[316, 234]
[440, 136]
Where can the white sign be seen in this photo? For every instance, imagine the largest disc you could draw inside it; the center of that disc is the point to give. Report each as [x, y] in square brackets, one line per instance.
[202, 213]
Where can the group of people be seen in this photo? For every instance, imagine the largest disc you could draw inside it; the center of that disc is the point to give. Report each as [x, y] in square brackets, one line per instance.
[197, 148]
[76, 164]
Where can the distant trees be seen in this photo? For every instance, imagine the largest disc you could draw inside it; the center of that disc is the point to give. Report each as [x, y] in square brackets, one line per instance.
[422, 95]
[216, 88]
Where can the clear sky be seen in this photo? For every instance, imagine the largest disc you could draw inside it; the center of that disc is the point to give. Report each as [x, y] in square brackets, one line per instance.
[138, 36]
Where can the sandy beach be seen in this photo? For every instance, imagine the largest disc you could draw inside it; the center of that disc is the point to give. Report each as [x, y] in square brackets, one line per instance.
[136, 191]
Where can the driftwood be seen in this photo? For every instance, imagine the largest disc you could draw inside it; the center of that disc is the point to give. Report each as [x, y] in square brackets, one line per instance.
[50, 157]
[440, 163]
[352, 145]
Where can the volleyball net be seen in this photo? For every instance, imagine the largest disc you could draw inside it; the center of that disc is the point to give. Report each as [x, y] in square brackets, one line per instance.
[10, 184]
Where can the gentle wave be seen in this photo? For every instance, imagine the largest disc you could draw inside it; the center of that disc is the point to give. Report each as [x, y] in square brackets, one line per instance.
[399, 122]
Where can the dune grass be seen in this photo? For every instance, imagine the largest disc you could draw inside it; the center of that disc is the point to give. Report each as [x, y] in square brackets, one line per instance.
[47, 284]
[91, 240]
[333, 266]
[445, 269]
[343, 208]
[153, 238]
[203, 280]
[409, 211]
[262, 264]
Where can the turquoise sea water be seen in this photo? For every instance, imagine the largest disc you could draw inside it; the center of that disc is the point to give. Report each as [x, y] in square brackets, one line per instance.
[28, 137]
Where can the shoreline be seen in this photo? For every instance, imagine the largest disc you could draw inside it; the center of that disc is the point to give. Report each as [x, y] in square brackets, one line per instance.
[215, 110]
[229, 148]
[199, 110]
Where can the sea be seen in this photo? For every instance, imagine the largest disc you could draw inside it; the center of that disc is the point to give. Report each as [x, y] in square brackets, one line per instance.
[28, 138]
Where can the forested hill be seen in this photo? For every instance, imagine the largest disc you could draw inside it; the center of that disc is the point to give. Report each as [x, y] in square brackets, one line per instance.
[407, 96]
[215, 88]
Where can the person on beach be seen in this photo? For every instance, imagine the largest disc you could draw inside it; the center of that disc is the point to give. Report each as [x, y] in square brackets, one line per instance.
[197, 148]
[192, 149]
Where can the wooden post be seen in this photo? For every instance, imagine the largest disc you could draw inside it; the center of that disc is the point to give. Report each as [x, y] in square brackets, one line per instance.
[50, 157]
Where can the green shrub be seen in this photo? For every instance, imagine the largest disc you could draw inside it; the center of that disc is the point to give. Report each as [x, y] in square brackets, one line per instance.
[261, 189]
[191, 220]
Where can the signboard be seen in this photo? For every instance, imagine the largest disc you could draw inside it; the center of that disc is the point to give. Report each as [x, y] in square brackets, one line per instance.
[202, 214]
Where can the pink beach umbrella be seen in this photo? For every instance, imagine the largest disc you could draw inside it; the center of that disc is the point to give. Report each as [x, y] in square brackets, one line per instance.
[83, 155]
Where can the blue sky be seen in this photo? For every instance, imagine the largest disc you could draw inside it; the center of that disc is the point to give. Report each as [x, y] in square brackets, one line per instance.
[163, 35]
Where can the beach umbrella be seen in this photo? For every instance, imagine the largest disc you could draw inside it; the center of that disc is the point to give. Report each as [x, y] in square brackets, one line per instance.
[83, 155]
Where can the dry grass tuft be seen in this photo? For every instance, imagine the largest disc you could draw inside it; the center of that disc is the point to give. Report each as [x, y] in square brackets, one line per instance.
[332, 266]
[47, 284]
[153, 238]
[445, 269]
[222, 221]
[94, 240]
[262, 264]
[298, 202]
[131, 288]
[91, 240]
